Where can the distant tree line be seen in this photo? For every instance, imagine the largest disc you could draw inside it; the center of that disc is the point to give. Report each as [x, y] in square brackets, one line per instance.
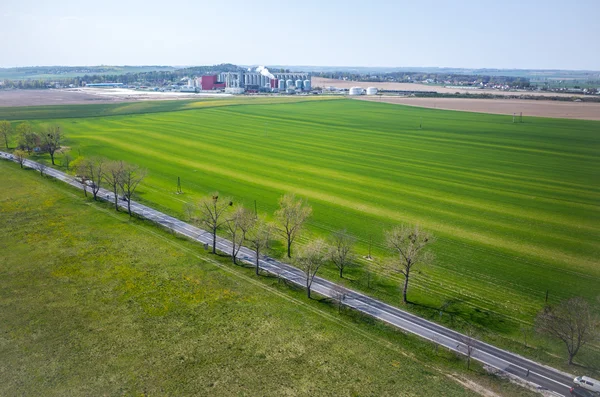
[436, 78]
[157, 77]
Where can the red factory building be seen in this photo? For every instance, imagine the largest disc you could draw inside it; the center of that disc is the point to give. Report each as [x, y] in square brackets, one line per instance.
[211, 83]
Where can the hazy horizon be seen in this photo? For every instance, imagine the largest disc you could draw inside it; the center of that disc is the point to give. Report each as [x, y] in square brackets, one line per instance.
[473, 35]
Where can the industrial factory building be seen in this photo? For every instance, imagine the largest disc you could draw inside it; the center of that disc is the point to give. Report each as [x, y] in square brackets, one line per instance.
[238, 82]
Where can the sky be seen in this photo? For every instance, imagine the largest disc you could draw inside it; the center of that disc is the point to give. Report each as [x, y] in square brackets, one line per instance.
[519, 34]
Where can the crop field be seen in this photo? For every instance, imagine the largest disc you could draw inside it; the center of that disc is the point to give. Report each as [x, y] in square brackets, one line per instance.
[514, 207]
[94, 303]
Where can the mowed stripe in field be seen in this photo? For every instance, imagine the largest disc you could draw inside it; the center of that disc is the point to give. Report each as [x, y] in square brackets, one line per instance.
[505, 199]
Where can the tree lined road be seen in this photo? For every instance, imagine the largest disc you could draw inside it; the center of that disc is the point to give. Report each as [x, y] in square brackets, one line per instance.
[540, 375]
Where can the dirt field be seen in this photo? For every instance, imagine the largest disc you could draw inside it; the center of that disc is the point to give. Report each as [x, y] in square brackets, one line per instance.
[75, 96]
[554, 109]
[321, 82]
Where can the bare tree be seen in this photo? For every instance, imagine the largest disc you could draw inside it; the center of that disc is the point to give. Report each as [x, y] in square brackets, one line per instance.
[291, 215]
[41, 167]
[468, 339]
[66, 160]
[341, 253]
[21, 156]
[408, 242]
[93, 169]
[190, 210]
[212, 211]
[309, 259]
[131, 177]
[5, 131]
[237, 226]
[112, 174]
[52, 139]
[338, 294]
[258, 237]
[572, 322]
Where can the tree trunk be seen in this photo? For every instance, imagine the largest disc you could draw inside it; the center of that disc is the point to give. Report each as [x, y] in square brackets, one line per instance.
[52, 157]
[94, 192]
[405, 289]
[308, 291]
[129, 207]
[6, 140]
[233, 250]
[289, 247]
[214, 251]
[116, 198]
[341, 272]
[257, 262]
[571, 355]
[85, 191]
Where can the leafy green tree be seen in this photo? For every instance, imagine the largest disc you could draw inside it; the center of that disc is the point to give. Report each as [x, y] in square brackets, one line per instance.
[27, 139]
[21, 156]
[6, 131]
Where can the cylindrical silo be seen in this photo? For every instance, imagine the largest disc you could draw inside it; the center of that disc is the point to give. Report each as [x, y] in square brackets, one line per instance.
[289, 83]
[371, 91]
[306, 85]
[281, 84]
[298, 84]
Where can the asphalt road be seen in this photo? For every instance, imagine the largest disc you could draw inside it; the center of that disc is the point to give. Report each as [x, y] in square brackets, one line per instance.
[540, 375]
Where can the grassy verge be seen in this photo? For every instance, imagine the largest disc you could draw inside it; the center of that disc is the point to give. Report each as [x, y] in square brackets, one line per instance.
[92, 302]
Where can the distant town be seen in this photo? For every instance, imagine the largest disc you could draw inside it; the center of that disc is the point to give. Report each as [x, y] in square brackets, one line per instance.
[234, 79]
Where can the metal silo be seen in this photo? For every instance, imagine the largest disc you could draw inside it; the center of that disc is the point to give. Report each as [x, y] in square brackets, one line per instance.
[281, 85]
[298, 84]
[307, 85]
[289, 83]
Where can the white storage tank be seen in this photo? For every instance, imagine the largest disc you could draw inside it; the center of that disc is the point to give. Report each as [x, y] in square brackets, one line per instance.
[371, 91]
[281, 85]
[307, 85]
[299, 84]
[289, 83]
[355, 91]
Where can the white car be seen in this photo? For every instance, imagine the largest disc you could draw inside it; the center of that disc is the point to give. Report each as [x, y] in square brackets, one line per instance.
[587, 383]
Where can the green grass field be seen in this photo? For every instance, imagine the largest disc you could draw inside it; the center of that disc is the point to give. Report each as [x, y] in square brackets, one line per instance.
[94, 303]
[515, 207]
